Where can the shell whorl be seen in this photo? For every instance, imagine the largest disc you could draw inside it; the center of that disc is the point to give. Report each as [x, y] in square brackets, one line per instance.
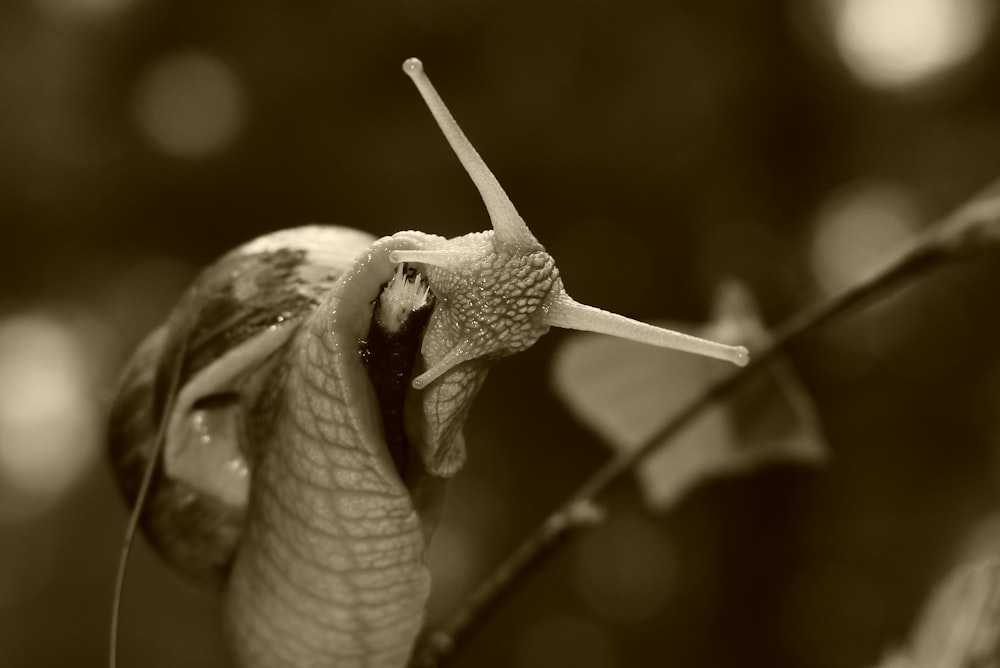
[266, 285]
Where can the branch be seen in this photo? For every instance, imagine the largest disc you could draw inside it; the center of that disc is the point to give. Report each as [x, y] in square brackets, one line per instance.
[965, 233]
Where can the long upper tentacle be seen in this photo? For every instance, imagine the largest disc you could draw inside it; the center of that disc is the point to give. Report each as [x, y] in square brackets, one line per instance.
[512, 234]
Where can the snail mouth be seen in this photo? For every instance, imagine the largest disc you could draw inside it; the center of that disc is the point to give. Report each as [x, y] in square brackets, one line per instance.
[399, 317]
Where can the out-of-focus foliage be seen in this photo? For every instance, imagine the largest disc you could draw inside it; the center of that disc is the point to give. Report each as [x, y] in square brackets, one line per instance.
[960, 627]
[654, 148]
[627, 392]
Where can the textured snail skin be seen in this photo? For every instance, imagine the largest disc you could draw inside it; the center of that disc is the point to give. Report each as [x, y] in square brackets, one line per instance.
[324, 565]
[330, 569]
[321, 557]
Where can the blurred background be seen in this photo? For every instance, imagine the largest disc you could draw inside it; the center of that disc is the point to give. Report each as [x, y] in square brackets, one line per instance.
[655, 148]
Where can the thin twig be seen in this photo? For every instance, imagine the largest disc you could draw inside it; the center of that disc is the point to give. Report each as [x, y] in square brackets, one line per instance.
[970, 229]
[546, 539]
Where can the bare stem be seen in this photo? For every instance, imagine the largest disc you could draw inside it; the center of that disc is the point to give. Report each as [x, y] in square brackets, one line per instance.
[971, 228]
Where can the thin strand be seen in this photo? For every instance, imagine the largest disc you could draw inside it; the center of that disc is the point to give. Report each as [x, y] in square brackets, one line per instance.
[508, 225]
[570, 314]
[134, 517]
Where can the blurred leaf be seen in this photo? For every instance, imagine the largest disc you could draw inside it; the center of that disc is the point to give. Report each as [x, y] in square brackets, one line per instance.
[627, 391]
[960, 627]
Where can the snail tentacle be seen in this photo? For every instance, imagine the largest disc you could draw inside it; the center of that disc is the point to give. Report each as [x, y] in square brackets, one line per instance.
[567, 313]
[511, 230]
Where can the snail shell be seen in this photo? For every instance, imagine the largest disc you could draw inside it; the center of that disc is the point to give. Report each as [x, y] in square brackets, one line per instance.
[238, 309]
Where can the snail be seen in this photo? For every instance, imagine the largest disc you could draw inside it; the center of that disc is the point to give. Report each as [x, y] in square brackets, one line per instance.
[287, 435]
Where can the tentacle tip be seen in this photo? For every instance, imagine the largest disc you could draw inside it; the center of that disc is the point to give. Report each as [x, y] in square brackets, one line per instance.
[394, 257]
[419, 382]
[741, 356]
[413, 67]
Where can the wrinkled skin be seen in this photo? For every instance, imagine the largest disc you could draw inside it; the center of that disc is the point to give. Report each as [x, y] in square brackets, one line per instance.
[330, 570]
[331, 567]
[322, 556]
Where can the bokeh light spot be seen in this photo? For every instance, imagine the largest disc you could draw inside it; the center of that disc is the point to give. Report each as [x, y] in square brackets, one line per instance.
[565, 641]
[190, 104]
[49, 414]
[627, 570]
[858, 231]
[902, 43]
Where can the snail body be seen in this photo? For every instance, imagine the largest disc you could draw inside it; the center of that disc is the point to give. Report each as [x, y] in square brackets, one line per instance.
[300, 464]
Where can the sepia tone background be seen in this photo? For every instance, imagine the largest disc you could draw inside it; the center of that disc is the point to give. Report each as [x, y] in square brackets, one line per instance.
[655, 148]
